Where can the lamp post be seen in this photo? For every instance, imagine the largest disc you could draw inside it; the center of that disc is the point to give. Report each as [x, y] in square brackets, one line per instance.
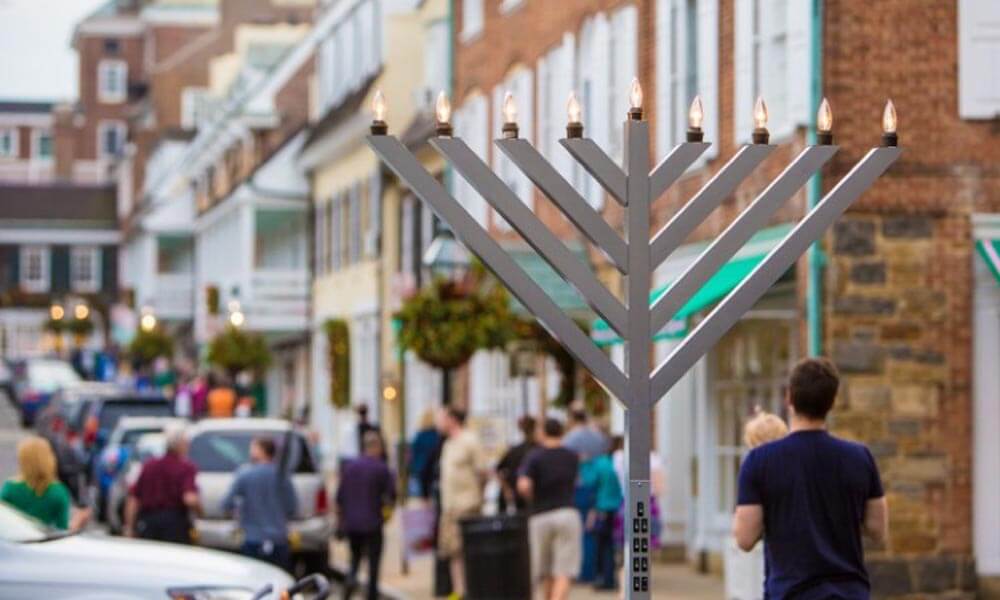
[634, 185]
[448, 260]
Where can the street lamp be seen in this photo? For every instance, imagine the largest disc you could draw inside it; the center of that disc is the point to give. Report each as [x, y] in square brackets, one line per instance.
[57, 312]
[148, 320]
[81, 312]
[446, 258]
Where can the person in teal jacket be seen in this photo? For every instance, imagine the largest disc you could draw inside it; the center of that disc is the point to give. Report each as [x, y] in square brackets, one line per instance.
[601, 521]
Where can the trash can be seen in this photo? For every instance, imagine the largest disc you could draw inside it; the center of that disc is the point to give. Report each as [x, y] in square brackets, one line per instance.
[497, 557]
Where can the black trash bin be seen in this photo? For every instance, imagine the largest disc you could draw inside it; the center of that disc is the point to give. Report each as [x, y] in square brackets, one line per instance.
[497, 558]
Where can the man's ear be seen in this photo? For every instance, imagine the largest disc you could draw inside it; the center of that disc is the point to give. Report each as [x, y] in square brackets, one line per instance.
[788, 402]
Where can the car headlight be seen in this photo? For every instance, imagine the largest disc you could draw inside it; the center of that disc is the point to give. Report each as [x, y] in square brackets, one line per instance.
[210, 593]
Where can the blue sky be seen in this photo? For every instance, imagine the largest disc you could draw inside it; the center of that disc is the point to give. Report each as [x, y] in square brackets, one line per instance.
[36, 60]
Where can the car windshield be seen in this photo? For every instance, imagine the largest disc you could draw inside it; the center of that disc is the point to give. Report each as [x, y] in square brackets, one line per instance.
[226, 451]
[131, 436]
[51, 375]
[18, 528]
[113, 410]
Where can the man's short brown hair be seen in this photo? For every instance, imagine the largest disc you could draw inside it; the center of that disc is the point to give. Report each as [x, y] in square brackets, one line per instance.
[267, 446]
[812, 387]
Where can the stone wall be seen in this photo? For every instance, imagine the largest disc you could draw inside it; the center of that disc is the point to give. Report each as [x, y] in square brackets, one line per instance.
[898, 318]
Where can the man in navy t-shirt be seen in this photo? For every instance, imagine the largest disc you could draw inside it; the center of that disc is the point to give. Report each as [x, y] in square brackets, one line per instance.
[811, 496]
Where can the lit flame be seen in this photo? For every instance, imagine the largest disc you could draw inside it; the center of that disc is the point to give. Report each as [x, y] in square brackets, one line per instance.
[57, 312]
[573, 109]
[443, 108]
[696, 114]
[635, 96]
[378, 106]
[81, 311]
[509, 108]
[824, 117]
[889, 117]
[760, 113]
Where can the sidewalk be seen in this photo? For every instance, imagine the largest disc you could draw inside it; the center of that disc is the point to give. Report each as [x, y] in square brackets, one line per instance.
[671, 581]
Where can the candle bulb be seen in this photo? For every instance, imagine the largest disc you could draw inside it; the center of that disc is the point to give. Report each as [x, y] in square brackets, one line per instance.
[443, 113]
[635, 100]
[824, 124]
[760, 133]
[574, 126]
[510, 116]
[889, 137]
[379, 126]
[696, 115]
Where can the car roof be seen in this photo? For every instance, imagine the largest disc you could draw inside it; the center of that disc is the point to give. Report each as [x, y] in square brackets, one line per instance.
[240, 424]
[129, 422]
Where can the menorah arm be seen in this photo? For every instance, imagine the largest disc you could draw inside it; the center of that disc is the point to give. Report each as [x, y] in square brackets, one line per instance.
[570, 202]
[777, 262]
[569, 266]
[599, 165]
[738, 232]
[722, 184]
[673, 166]
[409, 170]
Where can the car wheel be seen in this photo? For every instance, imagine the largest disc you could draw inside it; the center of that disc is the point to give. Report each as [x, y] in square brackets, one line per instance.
[307, 563]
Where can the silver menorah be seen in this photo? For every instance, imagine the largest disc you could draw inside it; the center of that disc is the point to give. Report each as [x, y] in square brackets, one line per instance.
[634, 185]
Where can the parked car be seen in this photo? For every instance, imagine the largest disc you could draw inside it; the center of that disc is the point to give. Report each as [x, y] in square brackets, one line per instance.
[102, 417]
[116, 453]
[149, 445]
[36, 380]
[220, 446]
[38, 562]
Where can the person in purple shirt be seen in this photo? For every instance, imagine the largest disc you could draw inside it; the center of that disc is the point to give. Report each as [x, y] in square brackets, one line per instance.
[366, 488]
[811, 496]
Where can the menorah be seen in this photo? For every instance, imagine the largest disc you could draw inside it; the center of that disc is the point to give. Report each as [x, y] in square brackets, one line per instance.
[634, 186]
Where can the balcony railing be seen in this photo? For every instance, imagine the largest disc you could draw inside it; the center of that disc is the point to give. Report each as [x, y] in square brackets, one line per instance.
[279, 300]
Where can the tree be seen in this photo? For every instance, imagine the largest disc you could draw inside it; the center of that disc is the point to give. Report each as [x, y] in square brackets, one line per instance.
[147, 346]
[235, 350]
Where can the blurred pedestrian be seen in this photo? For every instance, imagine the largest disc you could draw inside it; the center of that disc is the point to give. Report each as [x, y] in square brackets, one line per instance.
[264, 499]
[182, 400]
[221, 398]
[422, 450]
[199, 396]
[462, 478]
[588, 442]
[364, 426]
[36, 491]
[601, 521]
[547, 479]
[366, 490]
[161, 501]
[510, 465]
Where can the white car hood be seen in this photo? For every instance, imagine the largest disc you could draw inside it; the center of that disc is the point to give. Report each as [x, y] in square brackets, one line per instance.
[106, 563]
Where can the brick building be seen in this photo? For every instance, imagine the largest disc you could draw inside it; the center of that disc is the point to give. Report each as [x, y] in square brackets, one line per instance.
[907, 308]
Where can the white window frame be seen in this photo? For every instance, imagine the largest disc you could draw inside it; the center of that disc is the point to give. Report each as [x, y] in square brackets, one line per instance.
[36, 144]
[13, 151]
[520, 83]
[102, 128]
[623, 50]
[772, 60]
[42, 283]
[978, 46]
[674, 20]
[594, 68]
[472, 19]
[78, 255]
[471, 122]
[112, 70]
[509, 6]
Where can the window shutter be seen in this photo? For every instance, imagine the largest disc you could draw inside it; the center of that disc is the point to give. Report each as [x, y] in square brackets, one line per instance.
[744, 71]
[501, 164]
[708, 71]
[624, 49]
[473, 126]
[596, 106]
[564, 84]
[545, 138]
[664, 101]
[978, 49]
[374, 213]
[799, 56]
[525, 95]
[320, 243]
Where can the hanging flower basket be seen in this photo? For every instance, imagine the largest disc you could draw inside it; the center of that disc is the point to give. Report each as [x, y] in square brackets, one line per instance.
[338, 339]
[235, 350]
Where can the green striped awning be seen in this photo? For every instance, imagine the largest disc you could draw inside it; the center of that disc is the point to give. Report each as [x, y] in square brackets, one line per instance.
[990, 251]
[720, 284]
